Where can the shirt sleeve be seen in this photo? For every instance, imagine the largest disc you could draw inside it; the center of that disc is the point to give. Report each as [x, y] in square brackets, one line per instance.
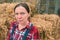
[35, 36]
[8, 37]
[10, 29]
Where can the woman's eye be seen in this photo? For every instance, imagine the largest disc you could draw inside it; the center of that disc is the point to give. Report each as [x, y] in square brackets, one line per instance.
[16, 13]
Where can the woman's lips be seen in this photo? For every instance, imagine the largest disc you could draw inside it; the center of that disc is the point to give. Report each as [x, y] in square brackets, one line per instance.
[20, 20]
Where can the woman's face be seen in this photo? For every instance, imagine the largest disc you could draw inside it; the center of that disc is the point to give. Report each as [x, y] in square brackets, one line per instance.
[21, 14]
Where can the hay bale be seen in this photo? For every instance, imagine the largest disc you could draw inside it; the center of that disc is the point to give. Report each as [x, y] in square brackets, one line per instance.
[47, 23]
[58, 30]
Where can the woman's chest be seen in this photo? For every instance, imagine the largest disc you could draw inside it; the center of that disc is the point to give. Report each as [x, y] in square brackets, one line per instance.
[19, 35]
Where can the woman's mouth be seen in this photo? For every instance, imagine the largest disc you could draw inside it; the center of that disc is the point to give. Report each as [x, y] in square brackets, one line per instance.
[20, 20]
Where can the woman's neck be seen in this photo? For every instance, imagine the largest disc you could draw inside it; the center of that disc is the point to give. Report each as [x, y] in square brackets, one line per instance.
[22, 25]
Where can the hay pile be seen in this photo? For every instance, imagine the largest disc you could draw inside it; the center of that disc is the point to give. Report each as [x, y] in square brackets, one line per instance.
[48, 26]
[6, 16]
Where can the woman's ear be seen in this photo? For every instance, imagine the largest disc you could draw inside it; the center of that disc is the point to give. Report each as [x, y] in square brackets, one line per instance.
[28, 14]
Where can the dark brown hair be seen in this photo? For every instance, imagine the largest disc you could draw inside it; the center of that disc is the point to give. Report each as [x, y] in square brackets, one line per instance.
[23, 5]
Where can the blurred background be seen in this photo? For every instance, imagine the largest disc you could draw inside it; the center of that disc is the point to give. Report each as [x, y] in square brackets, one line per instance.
[42, 6]
[45, 14]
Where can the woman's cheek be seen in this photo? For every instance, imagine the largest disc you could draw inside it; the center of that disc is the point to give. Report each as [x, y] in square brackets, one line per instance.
[26, 17]
[16, 17]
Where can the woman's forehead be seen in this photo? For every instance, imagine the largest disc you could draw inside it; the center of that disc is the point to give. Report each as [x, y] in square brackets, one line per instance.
[20, 8]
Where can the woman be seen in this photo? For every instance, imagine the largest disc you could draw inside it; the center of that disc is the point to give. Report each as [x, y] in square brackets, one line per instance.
[22, 28]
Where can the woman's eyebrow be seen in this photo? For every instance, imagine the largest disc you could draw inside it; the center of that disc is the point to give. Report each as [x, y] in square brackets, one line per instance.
[22, 13]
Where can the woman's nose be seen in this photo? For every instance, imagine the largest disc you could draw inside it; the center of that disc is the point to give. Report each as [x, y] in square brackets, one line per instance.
[19, 16]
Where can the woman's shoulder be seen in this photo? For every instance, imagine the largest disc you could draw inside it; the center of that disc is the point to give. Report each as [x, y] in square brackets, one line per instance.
[34, 28]
[12, 23]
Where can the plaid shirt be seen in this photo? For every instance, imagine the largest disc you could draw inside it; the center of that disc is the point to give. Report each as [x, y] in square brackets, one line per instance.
[19, 34]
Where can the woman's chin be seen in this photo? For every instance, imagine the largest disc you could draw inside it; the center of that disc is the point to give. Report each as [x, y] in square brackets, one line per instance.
[20, 21]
